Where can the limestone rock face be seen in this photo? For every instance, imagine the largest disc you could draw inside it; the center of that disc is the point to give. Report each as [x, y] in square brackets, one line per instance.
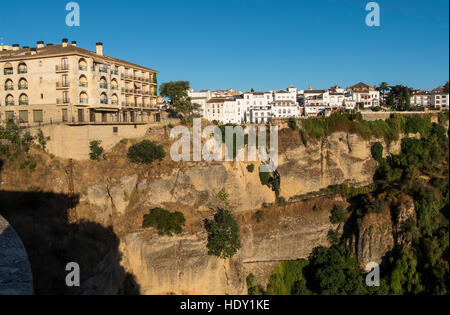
[181, 264]
[375, 238]
[339, 158]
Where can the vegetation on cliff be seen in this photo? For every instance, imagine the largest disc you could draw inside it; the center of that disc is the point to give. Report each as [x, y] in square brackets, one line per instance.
[145, 152]
[419, 261]
[165, 221]
[223, 234]
[390, 129]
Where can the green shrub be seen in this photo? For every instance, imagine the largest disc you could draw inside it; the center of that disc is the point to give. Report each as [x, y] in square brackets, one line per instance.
[165, 221]
[223, 235]
[264, 178]
[377, 151]
[96, 150]
[338, 215]
[250, 168]
[222, 195]
[42, 140]
[145, 152]
[259, 216]
[292, 123]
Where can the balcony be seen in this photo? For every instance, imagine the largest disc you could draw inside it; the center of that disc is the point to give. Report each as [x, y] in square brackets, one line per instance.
[126, 77]
[103, 85]
[114, 87]
[83, 84]
[103, 69]
[62, 68]
[9, 88]
[84, 101]
[62, 85]
[114, 102]
[22, 71]
[9, 103]
[82, 68]
[23, 102]
[23, 86]
[63, 101]
[104, 101]
[114, 72]
[8, 71]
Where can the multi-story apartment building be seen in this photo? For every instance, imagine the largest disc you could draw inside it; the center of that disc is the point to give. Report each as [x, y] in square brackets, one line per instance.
[364, 94]
[67, 84]
[439, 99]
[421, 98]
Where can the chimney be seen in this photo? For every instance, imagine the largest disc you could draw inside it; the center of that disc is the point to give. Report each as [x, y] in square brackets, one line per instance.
[33, 51]
[99, 49]
[40, 44]
[64, 42]
[74, 43]
[15, 47]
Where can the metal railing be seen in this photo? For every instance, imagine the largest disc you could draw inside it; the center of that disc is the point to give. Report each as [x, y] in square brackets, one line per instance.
[62, 68]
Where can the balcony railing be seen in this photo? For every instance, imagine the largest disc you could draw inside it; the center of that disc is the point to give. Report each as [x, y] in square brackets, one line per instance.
[114, 87]
[9, 88]
[23, 102]
[84, 101]
[103, 69]
[8, 71]
[82, 68]
[9, 103]
[103, 85]
[115, 72]
[128, 103]
[23, 86]
[115, 102]
[62, 85]
[62, 68]
[83, 84]
[22, 71]
[104, 101]
[63, 101]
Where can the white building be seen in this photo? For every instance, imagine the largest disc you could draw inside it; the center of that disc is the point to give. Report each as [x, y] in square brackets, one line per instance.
[364, 94]
[439, 99]
[421, 98]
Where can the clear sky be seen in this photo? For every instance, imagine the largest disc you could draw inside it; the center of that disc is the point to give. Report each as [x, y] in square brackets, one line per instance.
[244, 44]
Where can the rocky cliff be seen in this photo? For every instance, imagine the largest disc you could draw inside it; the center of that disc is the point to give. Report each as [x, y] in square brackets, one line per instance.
[116, 194]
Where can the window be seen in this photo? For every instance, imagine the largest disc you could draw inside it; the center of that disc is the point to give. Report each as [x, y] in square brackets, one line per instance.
[115, 129]
[23, 116]
[38, 116]
[65, 117]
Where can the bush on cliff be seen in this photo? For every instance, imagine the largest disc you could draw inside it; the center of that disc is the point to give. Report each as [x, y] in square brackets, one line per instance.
[145, 152]
[165, 221]
[223, 235]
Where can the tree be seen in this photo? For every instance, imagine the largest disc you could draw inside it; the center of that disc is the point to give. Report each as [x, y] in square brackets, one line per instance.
[165, 221]
[175, 91]
[336, 271]
[96, 150]
[383, 88]
[445, 88]
[223, 235]
[338, 215]
[377, 151]
[400, 97]
[145, 152]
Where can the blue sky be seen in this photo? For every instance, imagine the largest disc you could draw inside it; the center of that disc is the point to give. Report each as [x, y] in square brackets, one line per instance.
[244, 44]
